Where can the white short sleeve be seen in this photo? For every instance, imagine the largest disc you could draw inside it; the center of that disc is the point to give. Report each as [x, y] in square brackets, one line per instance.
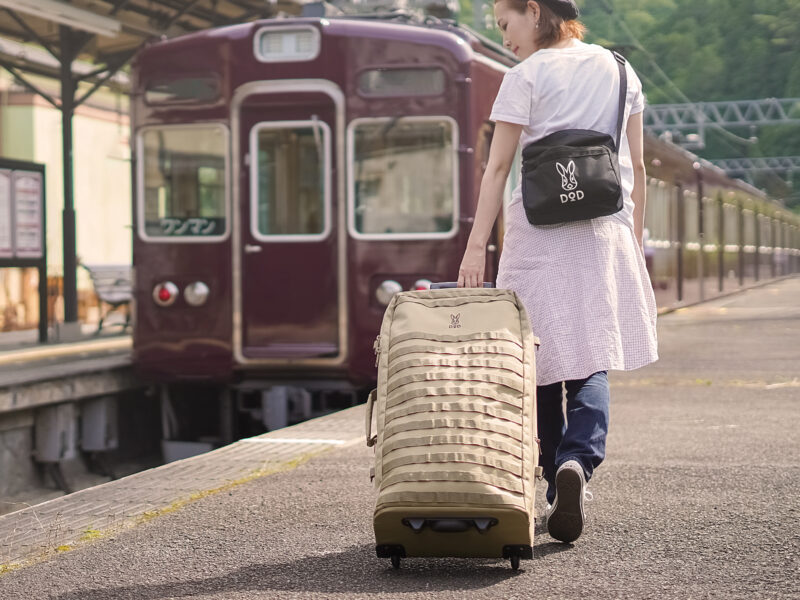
[513, 102]
[635, 86]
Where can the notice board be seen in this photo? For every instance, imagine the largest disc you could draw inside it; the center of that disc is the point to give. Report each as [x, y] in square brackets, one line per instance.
[22, 224]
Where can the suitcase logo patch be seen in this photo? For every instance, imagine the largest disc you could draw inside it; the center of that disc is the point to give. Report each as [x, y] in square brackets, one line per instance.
[455, 321]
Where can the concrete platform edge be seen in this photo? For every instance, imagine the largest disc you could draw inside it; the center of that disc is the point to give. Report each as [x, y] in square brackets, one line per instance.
[55, 537]
[674, 307]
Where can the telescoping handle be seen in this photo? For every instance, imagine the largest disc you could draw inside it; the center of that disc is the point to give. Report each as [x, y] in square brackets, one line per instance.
[371, 439]
[453, 284]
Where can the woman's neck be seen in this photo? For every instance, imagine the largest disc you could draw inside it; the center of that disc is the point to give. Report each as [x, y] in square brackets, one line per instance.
[564, 43]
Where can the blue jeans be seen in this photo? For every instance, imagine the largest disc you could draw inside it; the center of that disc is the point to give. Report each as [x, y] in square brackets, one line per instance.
[583, 437]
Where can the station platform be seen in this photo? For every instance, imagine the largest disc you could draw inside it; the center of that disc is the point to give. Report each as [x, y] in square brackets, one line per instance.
[43, 374]
[697, 498]
[20, 348]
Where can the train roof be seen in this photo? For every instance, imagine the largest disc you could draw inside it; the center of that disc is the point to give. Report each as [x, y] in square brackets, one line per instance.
[680, 159]
[397, 26]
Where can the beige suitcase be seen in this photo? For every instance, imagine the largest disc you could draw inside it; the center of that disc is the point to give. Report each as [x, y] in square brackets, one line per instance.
[456, 455]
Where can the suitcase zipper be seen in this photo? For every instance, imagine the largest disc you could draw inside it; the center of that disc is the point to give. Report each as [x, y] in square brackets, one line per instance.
[377, 348]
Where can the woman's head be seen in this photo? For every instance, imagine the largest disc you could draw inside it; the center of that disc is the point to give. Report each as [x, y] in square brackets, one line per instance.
[530, 25]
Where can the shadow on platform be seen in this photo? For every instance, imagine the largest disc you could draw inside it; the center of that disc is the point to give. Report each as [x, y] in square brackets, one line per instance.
[355, 570]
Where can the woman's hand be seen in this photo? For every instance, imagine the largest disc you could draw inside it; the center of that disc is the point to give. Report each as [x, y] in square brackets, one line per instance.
[470, 274]
[490, 199]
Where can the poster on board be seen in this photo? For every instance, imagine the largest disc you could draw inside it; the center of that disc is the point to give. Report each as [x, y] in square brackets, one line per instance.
[27, 194]
[6, 216]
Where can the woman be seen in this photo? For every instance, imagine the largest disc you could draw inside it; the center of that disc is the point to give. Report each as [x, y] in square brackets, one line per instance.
[583, 283]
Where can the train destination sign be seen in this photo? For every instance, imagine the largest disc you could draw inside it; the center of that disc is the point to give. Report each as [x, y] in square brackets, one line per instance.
[191, 227]
[21, 212]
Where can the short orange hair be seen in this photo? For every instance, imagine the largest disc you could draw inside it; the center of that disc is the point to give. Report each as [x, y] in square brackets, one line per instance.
[552, 28]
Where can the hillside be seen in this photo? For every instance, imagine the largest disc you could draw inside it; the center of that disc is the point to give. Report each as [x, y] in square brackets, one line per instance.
[686, 50]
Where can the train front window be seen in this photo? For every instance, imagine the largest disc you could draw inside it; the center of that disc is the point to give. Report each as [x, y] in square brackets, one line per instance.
[203, 88]
[290, 199]
[402, 82]
[405, 177]
[183, 174]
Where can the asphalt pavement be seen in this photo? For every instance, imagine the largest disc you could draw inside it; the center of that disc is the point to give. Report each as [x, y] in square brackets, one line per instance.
[698, 498]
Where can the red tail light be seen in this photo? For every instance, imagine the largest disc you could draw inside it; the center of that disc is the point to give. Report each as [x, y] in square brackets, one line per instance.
[422, 284]
[165, 294]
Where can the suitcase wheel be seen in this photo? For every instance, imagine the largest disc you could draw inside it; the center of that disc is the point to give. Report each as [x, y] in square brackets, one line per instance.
[392, 551]
[515, 553]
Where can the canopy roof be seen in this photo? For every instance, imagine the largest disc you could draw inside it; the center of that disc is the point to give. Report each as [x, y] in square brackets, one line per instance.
[107, 33]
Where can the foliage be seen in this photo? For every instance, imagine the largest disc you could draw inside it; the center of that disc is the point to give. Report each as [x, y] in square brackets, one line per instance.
[685, 50]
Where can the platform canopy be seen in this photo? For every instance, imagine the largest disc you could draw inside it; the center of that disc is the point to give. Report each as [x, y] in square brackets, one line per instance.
[107, 33]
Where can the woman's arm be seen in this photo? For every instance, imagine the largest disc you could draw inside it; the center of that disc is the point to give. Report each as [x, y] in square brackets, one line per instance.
[638, 195]
[501, 156]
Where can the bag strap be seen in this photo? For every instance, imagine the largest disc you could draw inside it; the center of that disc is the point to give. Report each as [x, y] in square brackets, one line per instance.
[371, 439]
[623, 93]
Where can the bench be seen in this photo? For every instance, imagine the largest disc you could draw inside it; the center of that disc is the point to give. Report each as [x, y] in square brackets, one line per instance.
[113, 286]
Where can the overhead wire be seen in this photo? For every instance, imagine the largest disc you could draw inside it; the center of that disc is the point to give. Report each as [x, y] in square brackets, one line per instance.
[638, 44]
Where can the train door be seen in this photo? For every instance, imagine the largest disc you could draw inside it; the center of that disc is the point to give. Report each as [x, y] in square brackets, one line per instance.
[290, 304]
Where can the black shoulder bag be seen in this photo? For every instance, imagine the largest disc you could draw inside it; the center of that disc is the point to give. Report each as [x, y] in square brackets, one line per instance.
[572, 175]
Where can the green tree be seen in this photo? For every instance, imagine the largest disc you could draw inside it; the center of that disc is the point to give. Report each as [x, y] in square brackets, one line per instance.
[685, 50]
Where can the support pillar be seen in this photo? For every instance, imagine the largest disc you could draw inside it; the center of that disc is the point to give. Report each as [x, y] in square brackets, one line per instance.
[757, 236]
[720, 243]
[701, 235]
[740, 226]
[681, 235]
[69, 46]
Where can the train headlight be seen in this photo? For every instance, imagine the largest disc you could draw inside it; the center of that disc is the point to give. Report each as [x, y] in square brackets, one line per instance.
[165, 294]
[386, 290]
[196, 293]
[422, 284]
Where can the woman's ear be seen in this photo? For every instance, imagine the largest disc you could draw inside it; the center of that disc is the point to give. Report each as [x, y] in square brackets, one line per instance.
[534, 6]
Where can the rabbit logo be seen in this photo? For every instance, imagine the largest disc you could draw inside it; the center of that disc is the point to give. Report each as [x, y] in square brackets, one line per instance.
[568, 182]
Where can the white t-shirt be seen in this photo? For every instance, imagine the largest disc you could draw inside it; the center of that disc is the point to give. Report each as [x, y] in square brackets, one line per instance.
[576, 87]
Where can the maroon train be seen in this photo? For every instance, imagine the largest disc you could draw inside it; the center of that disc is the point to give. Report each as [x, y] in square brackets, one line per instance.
[291, 174]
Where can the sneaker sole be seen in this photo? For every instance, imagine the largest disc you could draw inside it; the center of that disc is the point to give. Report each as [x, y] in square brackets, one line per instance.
[566, 521]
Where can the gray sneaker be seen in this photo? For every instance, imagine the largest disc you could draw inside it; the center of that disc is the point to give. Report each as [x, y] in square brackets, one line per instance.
[565, 517]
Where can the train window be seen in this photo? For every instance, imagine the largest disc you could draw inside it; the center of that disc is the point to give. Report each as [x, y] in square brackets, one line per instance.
[657, 215]
[405, 177]
[731, 226]
[290, 199]
[186, 89]
[182, 175]
[691, 214]
[402, 82]
[287, 44]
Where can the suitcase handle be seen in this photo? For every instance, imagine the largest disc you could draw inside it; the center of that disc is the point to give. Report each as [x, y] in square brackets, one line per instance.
[450, 525]
[454, 284]
[371, 439]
